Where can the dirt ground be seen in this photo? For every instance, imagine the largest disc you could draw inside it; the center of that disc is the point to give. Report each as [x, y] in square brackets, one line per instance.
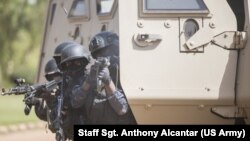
[28, 135]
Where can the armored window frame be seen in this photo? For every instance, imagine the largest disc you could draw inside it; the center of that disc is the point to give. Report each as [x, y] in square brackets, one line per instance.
[106, 15]
[86, 11]
[145, 11]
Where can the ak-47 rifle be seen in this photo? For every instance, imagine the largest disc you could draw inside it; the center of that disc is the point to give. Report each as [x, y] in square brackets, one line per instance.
[29, 91]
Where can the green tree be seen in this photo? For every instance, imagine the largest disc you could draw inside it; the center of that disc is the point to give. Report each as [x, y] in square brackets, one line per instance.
[20, 37]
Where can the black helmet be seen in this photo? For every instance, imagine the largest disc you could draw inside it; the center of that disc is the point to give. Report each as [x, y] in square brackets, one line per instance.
[73, 52]
[102, 40]
[51, 69]
[58, 50]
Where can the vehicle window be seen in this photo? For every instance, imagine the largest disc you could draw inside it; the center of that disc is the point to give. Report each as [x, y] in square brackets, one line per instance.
[174, 6]
[105, 8]
[79, 9]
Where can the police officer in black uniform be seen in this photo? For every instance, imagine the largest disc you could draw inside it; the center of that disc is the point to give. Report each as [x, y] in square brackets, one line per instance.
[45, 105]
[109, 106]
[74, 59]
[58, 51]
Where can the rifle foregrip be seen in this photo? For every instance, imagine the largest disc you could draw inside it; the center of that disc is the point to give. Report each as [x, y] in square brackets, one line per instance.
[27, 109]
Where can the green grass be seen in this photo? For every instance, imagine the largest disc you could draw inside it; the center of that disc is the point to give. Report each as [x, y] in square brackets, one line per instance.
[12, 111]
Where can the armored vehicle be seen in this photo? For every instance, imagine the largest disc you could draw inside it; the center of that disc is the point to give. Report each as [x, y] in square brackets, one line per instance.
[181, 61]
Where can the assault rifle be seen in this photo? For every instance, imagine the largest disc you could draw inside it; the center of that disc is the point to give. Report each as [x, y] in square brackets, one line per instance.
[100, 63]
[58, 121]
[29, 91]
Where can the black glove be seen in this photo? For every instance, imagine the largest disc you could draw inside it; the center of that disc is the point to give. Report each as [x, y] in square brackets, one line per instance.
[44, 93]
[104, 76]
[32, 101]
[92, 75]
